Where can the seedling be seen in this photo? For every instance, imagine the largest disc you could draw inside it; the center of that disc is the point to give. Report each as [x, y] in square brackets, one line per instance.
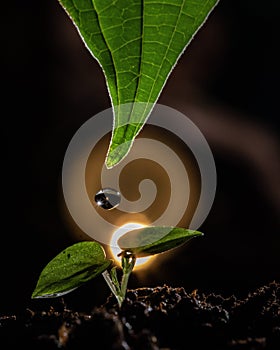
[137, 43]
[86, 260]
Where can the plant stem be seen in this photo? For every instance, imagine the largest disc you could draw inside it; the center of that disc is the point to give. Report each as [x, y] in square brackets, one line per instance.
[124, 282]
[112, 287]
[128, 262]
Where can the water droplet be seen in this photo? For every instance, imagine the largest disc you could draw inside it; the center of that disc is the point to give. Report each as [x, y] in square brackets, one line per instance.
[107, 198]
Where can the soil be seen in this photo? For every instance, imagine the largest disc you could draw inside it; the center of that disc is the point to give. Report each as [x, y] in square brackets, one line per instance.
[159, 318]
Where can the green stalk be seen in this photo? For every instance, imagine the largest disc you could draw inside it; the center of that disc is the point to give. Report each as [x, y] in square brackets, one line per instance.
[128, 263]
[112, 287]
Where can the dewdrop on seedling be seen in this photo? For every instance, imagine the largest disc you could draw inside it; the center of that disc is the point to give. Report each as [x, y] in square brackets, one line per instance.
[107, 198]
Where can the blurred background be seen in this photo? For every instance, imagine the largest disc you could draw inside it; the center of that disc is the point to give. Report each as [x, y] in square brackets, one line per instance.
[226, 82]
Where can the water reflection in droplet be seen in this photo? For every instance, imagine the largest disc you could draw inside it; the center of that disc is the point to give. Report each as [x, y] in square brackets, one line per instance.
[107, 198]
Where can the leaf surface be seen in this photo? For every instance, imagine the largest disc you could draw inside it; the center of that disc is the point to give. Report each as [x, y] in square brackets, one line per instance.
[155, 239]
[137, 43]
[70, 269]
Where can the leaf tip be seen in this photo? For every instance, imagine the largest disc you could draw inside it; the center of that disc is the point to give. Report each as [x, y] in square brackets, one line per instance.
[198, 234]
[117, 153]
[110, 162]
[36, 294]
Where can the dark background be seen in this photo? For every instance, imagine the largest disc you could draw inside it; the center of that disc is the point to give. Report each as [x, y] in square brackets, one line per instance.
[227, 82]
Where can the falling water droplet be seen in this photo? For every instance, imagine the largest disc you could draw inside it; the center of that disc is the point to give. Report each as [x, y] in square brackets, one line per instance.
[107, 198]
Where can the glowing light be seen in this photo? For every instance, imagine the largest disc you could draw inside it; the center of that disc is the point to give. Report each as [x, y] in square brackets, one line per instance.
[140, 262]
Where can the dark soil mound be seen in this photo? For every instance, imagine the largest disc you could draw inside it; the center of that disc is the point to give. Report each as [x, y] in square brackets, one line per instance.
[153, 318]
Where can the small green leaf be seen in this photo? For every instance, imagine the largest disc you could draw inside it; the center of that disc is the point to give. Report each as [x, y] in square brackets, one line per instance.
[137, 43]
[71, 268]
[156, 239]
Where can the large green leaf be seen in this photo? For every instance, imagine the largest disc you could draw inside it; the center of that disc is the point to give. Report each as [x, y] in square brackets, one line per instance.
[71, 268]
[155, 239]
[137, 43]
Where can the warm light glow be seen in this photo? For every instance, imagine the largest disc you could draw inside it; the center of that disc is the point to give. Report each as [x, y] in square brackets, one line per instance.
[140, 262]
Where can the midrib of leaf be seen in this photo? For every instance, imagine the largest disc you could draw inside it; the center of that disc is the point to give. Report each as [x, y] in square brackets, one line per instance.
[121, 127]
[145, 114]
[125, 52]
[119, 118]
[126, 125]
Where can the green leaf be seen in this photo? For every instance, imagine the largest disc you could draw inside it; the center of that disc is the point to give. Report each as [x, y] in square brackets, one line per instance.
[155, 239]
[71, 268]
[137, 43]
